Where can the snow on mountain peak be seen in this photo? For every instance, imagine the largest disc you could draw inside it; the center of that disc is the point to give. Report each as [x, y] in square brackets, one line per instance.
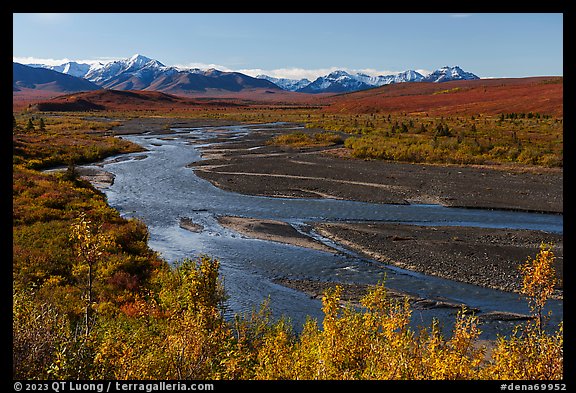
[338, 74]
[146, 69]
[139, 60]
[339, 81]
[75, 69]
[139, 57]
[134, 64]
[286, 83]
[448, 73]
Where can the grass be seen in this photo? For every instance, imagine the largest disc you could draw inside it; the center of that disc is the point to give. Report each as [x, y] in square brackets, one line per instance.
[448, 91]
[521, 139]
[64, 140]
[526, 140]
[300, 139]
[151, 321]
[518, 139]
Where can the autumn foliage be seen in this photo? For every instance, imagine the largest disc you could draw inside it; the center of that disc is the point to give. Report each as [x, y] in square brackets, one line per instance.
[92, 301]
[176, 329]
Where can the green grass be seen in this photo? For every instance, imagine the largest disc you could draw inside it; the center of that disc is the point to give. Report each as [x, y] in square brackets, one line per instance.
[153, 321]
[65, 139]
[300, 139]
[526, 140]
[522, 139]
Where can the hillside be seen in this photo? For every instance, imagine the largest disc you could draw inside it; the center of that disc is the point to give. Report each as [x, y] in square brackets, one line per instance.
[488, 96]
[125, 100]
[542, 95]
[25, 77]
[143, 73]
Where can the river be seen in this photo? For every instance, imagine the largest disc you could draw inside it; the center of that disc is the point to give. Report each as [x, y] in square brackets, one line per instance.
[158, 188]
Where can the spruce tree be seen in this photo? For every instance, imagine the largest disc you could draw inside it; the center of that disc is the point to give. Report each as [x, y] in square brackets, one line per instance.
[30, 125]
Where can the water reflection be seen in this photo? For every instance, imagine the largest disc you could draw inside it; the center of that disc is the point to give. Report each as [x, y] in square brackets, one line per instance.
[160, 189]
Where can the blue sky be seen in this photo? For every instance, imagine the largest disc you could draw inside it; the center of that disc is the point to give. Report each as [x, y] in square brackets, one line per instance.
[300, 44]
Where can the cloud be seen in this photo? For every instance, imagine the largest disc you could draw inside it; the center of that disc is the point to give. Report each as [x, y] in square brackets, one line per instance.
[289, 73]
[37, 60]
[55, 62]
[312, 74]
[203, 66]
[423, 71]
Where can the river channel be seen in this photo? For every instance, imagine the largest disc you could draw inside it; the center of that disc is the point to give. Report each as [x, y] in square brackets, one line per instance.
[158, 188]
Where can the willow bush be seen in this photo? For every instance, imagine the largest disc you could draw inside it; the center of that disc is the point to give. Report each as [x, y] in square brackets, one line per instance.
[174, 328]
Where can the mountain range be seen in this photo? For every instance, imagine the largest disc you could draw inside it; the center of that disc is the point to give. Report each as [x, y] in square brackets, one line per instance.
[71, 68]
[142, 73]
[25, 77]
[285, 83]
[342, 81]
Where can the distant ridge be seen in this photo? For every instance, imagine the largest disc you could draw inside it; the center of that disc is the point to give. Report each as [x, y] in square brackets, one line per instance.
[285, 83]
[542, 95]
[139, 72]
[142, 73]
[25, 77]
[105, 99]
[342, 81]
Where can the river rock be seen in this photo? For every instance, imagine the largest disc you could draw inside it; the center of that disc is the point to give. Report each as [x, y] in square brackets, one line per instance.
[189, 225]
[504, 316]
[427, 304]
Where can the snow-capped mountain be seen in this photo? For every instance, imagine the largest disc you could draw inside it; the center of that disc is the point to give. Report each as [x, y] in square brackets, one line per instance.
[447, 73]
[285, 83]
[76, 69]
[335, 82]
[41, 78]
[70, 68]
[143, 73]
[406, 76]
[138, 65]
[341, 81]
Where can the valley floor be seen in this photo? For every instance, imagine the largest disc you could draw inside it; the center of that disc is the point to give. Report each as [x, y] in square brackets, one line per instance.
[479, 256]
[250, 166]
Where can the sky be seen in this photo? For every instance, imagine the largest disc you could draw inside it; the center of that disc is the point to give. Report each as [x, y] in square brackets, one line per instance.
[297, 45]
